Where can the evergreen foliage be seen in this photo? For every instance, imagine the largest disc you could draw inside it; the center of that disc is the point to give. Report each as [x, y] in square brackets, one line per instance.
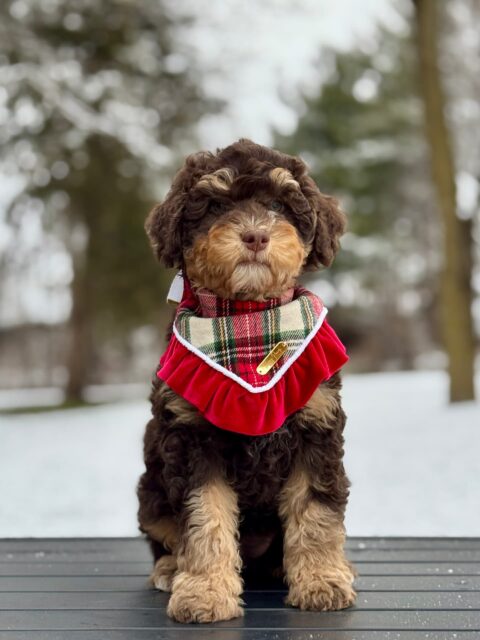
[362, 137]
[98, 96]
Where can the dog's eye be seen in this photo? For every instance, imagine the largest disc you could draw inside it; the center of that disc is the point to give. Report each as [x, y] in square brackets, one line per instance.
[276, 205]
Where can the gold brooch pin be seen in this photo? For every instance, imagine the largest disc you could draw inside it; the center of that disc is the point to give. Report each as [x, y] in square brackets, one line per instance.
[272, 358]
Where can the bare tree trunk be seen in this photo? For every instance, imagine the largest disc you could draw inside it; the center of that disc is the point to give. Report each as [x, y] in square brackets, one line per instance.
[456, 290]
[79, 347]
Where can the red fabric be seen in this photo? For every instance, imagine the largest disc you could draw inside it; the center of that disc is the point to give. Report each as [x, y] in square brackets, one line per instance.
[212, 306]
[228, 405]
[245, 332]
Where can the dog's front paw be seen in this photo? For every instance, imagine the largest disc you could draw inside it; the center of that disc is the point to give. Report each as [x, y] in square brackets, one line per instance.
[203, 598]
[163, 572]
[321, 593]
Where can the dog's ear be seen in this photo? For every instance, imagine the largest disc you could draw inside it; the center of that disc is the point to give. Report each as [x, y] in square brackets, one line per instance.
[164, 222]
[163, 228]
[329, 223]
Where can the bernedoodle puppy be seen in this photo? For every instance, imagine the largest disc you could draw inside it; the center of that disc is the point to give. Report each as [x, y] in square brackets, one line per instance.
[243, 454]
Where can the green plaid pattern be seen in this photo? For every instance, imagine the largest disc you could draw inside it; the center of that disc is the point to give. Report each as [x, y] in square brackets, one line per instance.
[239, 342]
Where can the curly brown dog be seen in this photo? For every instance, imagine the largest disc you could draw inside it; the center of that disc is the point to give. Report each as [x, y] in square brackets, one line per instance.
[244, 223]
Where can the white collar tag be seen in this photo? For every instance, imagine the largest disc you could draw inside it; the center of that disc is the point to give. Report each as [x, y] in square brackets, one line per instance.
[175, 293]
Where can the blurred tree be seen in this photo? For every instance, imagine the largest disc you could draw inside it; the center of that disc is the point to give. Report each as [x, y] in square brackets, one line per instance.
[97, 95]
[456, 277]
[362, 138]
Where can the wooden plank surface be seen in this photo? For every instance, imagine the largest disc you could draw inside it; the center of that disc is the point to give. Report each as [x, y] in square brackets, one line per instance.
[129, 568]
[125, 546]
[209, 633]
[132, 583]
[85, 588]
[254, 619]
[377, 600]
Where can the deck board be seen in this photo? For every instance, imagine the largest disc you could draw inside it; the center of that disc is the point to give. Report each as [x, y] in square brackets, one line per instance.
[129, 568]
[408, 589]
[203, 633]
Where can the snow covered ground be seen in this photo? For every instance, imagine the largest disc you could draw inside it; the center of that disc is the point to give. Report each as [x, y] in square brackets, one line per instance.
[413, 460]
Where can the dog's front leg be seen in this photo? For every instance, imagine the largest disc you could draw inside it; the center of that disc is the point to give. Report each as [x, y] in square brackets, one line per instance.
[318, 574]
[312, 505]
[207, 586]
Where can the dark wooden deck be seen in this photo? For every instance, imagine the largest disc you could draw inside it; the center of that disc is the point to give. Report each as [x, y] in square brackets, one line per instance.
[409, 588]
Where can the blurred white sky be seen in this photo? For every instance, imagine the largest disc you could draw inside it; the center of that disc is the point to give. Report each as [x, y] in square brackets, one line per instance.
[258, 53]
[257, 57]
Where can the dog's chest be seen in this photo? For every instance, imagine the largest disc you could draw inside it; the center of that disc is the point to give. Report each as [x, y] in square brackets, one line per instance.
[258, 467]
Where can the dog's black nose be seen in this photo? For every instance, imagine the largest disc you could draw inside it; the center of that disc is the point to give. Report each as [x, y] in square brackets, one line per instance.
[255, 240]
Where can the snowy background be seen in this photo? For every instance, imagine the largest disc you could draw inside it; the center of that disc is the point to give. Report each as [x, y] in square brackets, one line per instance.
[413, 460]
[335, 82]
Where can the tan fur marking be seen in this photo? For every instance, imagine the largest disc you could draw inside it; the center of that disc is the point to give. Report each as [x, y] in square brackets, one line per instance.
[319, 576]
[321, 408]
[207, 586]
[165, 531]
[219, 260]
[163, 572]
[183, 410]
[221, 180]
[283, 178]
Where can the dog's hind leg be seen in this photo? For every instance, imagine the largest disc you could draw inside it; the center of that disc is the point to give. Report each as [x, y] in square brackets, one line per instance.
[164, 534]
[207, 585]
[163, 572]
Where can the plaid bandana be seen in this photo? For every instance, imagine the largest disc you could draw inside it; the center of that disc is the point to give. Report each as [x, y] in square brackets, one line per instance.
[212, 306]
[234, 336]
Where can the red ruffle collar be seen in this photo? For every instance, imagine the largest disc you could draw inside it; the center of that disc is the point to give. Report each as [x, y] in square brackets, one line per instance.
[212, 357]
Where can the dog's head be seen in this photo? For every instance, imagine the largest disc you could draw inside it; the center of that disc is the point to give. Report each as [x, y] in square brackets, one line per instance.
[245, 221]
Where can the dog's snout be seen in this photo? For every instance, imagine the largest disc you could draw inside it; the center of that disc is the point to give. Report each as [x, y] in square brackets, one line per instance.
[255, 240]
